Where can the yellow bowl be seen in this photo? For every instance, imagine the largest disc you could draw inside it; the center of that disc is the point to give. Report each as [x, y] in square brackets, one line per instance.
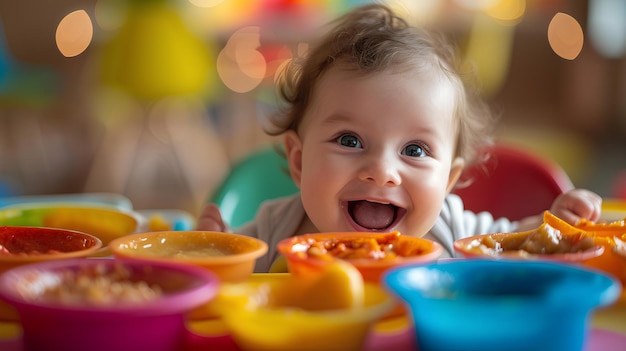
[230, 256]
[261, 315]
[105, 223]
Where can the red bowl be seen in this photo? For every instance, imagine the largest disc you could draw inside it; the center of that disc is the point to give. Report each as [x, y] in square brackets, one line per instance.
[21, 245]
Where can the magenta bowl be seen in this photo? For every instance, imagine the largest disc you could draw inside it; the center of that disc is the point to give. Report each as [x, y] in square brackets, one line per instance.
[72, 304]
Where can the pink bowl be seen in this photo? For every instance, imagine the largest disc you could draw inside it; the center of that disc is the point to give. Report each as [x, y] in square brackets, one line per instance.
[156, 324]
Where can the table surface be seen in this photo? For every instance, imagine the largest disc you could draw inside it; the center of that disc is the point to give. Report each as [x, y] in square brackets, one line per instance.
[608, 332]
[608, 325]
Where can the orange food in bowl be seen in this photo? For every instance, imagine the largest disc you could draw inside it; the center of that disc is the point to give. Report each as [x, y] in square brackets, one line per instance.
[603, 234]
[371, 253]
[545, 242]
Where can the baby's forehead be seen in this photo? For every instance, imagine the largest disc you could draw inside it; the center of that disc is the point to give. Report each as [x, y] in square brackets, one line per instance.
[425, 75]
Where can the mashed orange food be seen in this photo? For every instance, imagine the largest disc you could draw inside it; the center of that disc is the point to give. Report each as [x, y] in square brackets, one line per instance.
[385, 247]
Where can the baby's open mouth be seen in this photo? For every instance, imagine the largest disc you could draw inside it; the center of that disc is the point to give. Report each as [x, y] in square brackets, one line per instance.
[374, 216]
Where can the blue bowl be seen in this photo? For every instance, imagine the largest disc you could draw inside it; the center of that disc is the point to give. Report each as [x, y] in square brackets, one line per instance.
[486, 305]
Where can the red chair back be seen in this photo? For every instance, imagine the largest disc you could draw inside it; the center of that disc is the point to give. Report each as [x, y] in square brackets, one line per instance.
[513, 183]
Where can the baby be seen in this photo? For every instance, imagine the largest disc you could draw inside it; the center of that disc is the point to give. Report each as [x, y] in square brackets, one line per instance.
[379, 126]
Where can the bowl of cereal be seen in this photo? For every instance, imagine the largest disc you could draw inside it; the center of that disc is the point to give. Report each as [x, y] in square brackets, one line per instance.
[493, 305]
[105, 304]
[371, 253]
[25, 245]
[105, 223]
[334, 310]
[230, 256]
[542, 243]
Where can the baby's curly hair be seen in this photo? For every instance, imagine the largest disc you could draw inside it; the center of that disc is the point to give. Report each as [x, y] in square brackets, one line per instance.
[372, 38]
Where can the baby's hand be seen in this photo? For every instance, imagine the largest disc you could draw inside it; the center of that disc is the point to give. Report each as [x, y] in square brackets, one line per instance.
[211, 219]
[577, 204]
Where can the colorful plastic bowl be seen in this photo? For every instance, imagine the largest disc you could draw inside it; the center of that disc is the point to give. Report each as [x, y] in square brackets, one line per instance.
[21, 245]
[261, 314]
[230, 256]
[501, 304]
[372, 258]
[543, 243]
[26, 245]
[105, 223]
[72, 305]
[603, 234]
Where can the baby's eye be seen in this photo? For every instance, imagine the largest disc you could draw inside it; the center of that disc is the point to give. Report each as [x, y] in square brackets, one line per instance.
[414, 150]
[349, 140]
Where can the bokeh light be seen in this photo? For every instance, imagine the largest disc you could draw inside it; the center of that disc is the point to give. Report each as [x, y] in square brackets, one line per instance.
[244, 63]
[205, 3]
[74, 33]
[110, 14]
[508, 12]
[423, 12]
[155, 54]
[607, 27]
[222, 16]
[476, 4]
[488, 52]
[565, 36]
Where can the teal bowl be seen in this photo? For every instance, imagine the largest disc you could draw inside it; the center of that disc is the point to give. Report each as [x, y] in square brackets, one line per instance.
[492, 305]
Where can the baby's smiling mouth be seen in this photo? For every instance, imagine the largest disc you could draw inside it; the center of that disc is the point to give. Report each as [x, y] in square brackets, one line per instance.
[374, 216]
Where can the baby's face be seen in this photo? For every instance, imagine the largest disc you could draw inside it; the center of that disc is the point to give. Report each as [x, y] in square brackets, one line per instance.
[375, 152]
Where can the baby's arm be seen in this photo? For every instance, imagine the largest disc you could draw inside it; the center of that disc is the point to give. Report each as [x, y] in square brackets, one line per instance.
[211, 219]
[571, 207]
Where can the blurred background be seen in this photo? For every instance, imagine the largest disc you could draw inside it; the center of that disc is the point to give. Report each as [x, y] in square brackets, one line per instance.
[157, 99]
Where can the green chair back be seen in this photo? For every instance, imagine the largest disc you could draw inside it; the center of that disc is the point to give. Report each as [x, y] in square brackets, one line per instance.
[260, 176]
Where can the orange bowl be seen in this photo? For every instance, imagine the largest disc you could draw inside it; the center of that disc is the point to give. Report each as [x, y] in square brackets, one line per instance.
[371, 253]
[537, 244]
[230, 256]
[603, 234]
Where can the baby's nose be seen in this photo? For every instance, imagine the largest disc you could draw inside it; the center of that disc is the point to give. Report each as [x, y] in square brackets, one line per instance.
[382, 171]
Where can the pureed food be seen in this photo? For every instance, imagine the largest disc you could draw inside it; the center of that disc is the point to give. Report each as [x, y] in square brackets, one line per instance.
[188, 251]
[386, 247]
[545, 240]
[89, 285]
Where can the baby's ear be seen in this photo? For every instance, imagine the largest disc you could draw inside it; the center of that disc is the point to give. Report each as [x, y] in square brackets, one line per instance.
[293, 152]
[458, 164]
